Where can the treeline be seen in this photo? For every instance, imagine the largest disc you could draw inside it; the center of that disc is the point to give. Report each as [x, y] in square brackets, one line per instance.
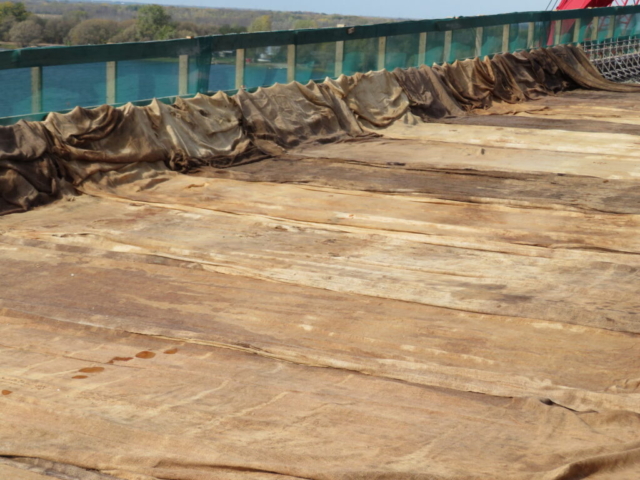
[37, 22]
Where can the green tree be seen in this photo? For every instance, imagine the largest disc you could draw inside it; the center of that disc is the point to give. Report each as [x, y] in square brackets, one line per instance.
[6, 24]
[93, 32]
[10, 14]
[203, 29]
[308, 23]
[154, 23]
[55, 31]
[261, 24]
[26, 33]
[128, 34]
[16, 10]
[74, 17]
[226, 28]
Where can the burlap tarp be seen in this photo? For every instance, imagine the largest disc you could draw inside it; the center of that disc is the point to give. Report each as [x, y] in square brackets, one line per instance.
[222, 131]
[440, 302]
[29, 173]
[287, 115]
[428, 96]
[376, 98]
[189, 134]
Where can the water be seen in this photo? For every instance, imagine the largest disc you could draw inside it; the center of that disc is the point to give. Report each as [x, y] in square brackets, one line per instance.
[66, 86]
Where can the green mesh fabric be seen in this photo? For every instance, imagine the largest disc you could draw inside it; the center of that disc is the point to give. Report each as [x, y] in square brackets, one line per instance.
[626, 25]
[315, 61]
[360, 55]
[635, 22]
[435, 48]
[402, 51]
[463, 44]
[222, 71]
[587, 29]
[491, 40]
[518, 36]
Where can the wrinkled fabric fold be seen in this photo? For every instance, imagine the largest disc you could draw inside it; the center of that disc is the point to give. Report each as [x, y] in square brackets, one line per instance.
[222, 131]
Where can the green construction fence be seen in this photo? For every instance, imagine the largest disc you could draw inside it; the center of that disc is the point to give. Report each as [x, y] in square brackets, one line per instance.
[41, 80]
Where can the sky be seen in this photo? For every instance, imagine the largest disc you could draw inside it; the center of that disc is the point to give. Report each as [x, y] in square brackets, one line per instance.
[414, 9]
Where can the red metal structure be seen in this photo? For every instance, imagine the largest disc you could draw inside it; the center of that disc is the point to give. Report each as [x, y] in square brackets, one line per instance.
[577, 4]
[580, 4]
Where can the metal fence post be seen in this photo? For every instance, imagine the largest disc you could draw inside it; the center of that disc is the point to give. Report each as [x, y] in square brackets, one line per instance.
[446, 51]
[36, 89]
[531, 34]
[382, 51]
[183, 74]
[240, 67]
[422, 49]
[339, 65]
[479, 36]
[506, 29]
[557, 34]
[112, 76]
[291, 63]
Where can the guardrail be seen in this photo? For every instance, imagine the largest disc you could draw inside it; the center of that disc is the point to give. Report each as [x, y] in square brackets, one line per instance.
[41, 80]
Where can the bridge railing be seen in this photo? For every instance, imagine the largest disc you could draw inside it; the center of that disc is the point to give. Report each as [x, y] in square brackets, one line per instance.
[40, 80]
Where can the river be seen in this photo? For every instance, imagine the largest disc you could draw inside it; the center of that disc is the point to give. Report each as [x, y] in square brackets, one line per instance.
[67, 86]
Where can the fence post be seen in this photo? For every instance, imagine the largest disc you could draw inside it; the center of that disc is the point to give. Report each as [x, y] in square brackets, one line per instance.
[557, 37]
[239, 68]
[446, 51]
[339, 66]
[183, 74]
[112, 75]
[531, 34]
[479, 36]
[576, 30]
[382, 51]
[36, 89]
[506, 29]
[291, 63]
[612, 27]
[422, 49]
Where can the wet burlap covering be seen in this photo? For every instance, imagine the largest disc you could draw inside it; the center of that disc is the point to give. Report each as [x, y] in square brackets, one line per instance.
[424, 274]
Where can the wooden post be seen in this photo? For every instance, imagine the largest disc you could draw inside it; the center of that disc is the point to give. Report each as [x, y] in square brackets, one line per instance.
[506, 29]
[36, 89]
[183, 74]
[382, 51]
[291, 63]
[531, 35]
[595, 28]
[446, 52]
[112, 76]
[612, 27]
[479, 36]
[576, 30]
[239, 68]
[422, 49]
[557, 37]
[339, 66]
